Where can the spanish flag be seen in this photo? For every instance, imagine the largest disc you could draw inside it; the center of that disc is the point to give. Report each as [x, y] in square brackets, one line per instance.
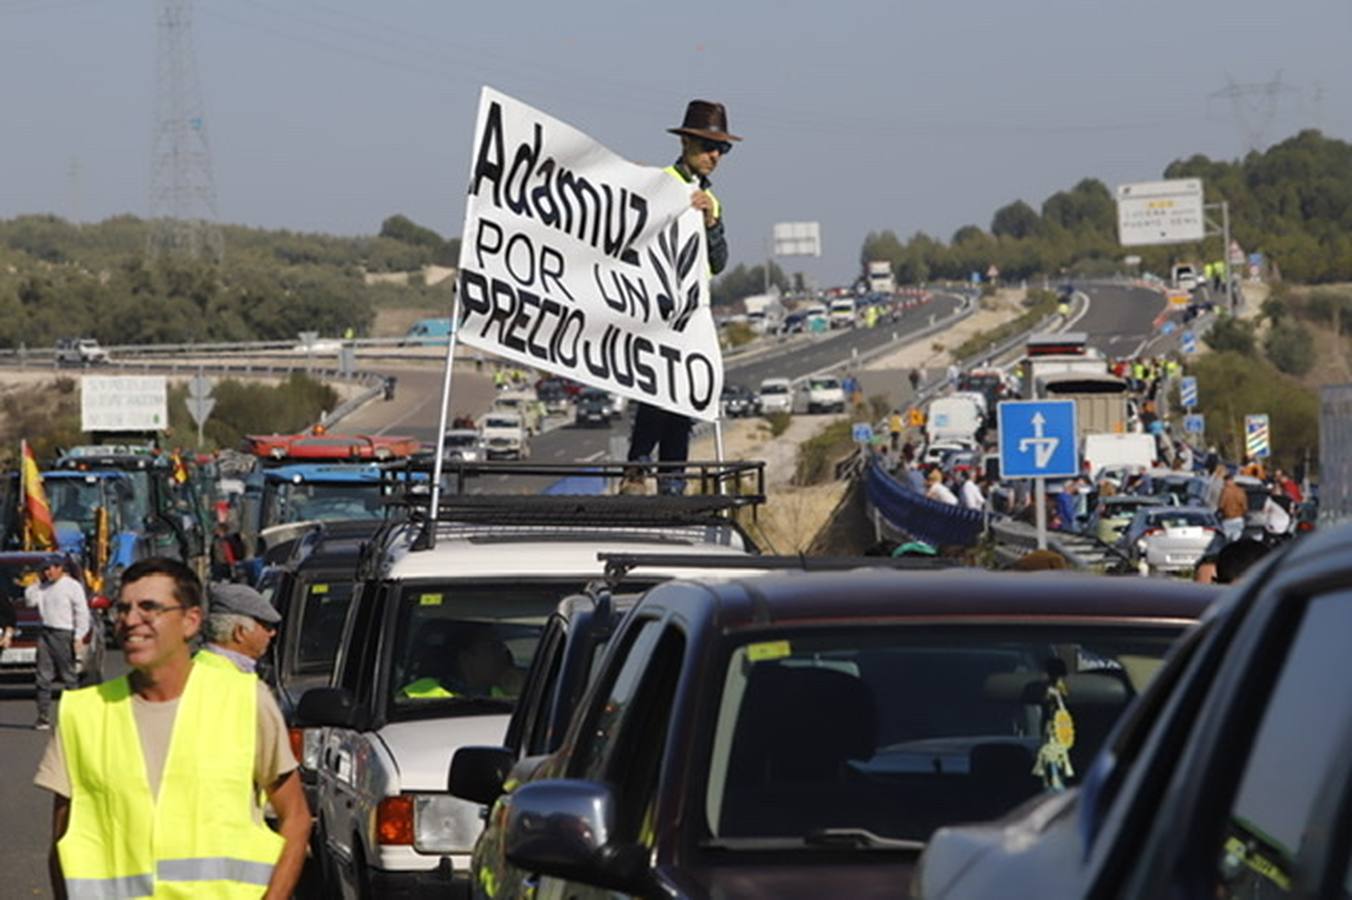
[38, 531]
[180, 469]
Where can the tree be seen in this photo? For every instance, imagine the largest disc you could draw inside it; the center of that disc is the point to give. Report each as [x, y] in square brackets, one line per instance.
[401, 228]
[1231, 335]
[1016, 220]
[1290, 347]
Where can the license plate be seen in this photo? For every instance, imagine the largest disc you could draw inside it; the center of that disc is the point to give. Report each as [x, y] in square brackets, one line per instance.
[18, 656]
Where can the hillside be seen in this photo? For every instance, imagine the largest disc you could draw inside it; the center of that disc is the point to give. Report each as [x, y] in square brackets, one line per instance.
[58, 279]
[1293, 203]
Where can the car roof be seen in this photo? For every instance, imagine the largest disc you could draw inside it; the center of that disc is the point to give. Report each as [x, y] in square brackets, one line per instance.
[959, 596]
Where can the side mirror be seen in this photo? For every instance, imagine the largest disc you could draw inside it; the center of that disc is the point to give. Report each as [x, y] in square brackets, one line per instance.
[330, 706]
[479, 773]
[566, 828]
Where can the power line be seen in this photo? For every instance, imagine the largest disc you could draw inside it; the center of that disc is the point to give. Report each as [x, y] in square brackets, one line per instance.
[182, 186]
[1254, 107]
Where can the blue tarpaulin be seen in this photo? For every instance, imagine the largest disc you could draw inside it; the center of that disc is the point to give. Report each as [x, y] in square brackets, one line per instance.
[940, 524]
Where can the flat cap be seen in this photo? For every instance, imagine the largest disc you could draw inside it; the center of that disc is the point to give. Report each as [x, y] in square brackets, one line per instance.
[240, 600]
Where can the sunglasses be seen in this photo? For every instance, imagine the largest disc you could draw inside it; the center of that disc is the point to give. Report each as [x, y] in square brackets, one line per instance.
[708, 146]
[150, 610]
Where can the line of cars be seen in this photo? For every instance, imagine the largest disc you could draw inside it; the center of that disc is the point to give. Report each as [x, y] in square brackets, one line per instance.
[691, 725]
[813, 395]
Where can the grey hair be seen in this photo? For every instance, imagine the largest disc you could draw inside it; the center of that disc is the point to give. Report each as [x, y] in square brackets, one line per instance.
[221, 626]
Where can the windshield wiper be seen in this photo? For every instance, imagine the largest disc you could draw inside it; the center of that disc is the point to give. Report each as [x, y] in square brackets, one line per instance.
[860, 838]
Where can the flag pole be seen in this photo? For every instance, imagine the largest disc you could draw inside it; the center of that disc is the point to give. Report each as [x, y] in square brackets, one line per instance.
[440, 457]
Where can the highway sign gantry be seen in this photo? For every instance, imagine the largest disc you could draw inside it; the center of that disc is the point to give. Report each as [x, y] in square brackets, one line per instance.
[1257, 442]
[1160, 212]
[1037, 439]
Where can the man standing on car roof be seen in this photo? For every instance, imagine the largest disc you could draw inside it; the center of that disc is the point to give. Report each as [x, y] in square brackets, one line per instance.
[705, 140]
[157, 773]
[64, 610]
[240, 625]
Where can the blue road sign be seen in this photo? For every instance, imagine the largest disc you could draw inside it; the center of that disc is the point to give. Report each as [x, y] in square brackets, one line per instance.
[1187, 391]
[863, 432]
[1194, 424]
[1037, 439]
[1168, 328]
[1189, 342]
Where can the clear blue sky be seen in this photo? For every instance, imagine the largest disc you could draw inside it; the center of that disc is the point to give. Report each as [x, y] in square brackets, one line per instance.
[329, 115]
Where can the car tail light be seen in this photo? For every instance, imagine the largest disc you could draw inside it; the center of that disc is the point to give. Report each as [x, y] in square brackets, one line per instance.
[1152, 532]
[394, 821]
[297, 738]
[1304, 527]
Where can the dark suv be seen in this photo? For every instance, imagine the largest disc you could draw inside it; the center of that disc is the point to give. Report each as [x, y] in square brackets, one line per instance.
[804, 735]
[1231, 777]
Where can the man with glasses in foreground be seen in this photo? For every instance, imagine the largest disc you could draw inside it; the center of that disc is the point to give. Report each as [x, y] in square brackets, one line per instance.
[705, 140]
[156, 774]
[240, 625]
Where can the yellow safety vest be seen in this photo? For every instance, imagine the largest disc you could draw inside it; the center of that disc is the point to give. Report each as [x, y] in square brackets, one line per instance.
[198, 838]
[216, 661]
[676, 173]
[432, 688]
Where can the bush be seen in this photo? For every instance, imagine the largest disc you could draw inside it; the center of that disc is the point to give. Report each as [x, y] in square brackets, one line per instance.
[1039, 304]
[736, 334]
[1290, 347]
[1232, 385]
[1231, 335]
[817, 456]
[779, 422]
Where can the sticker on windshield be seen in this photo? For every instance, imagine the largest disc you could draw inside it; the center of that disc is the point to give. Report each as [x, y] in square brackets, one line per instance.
[429, 600]
[319, 589]
[768, 650]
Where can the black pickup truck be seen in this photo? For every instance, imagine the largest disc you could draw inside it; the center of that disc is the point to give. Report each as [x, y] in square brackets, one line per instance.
[802, 735]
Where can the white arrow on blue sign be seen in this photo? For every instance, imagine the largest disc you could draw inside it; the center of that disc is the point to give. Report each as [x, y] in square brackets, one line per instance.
[1037, 439]
[1187, 391]
[1194, 424]
[863, 432]
[1189, 342]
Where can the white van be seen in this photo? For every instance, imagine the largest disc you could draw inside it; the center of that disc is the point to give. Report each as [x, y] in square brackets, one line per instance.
[953, 419]
[1106, 451]
[843, 312]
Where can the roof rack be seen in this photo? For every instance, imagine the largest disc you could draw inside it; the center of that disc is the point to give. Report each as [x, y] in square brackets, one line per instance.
[620, 564]
[609, 494]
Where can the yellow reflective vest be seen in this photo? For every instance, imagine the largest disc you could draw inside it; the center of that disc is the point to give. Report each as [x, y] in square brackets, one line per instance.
[198, 837]
[676, 173]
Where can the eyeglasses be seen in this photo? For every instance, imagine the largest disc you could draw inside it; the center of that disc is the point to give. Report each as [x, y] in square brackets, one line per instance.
[150, 610]
[708, 146]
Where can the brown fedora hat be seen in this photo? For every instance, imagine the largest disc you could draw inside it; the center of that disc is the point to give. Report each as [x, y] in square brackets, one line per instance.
[706, 119]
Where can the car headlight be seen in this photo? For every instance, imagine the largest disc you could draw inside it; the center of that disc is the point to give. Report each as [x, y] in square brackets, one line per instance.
[311, 740]
[444, 824]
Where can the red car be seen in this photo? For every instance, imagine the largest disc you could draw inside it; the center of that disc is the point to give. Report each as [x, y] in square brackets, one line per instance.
[331, 447]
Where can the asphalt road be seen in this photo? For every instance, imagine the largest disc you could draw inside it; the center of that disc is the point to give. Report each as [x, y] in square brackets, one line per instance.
[1120, 318]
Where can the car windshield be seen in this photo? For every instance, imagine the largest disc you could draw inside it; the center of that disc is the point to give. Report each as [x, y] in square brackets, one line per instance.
[459, 440]
[774, 389]
[321, 624]
[471, 641]
[1182, 518]
[74, 500]
[287, 501]
[896, 731]
[496, 422]
[824, 384]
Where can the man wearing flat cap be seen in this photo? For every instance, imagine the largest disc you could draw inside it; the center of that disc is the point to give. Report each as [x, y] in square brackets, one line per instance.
[705, 140]
[240, 625]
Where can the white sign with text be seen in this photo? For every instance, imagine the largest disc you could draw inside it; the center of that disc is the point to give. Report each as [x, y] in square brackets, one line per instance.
[123, 403]
[580, 263]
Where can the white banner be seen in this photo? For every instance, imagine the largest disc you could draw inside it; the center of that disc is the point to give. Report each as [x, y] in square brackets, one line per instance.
[580, 263]
[123, 403]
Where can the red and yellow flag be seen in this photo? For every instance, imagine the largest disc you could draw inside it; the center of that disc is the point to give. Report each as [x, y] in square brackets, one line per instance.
[180, 469]
[38, 531]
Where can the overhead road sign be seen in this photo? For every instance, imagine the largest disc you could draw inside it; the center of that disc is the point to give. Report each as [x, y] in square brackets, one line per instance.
[1187, 391]
[123, 403]
[1037, 439]
[1160, 212]
[1257, 443]
[798, 239]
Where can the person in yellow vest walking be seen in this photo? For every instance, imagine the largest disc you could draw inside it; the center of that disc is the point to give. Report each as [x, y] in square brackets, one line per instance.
[705, 140]
[157, 773]
[240, 624]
